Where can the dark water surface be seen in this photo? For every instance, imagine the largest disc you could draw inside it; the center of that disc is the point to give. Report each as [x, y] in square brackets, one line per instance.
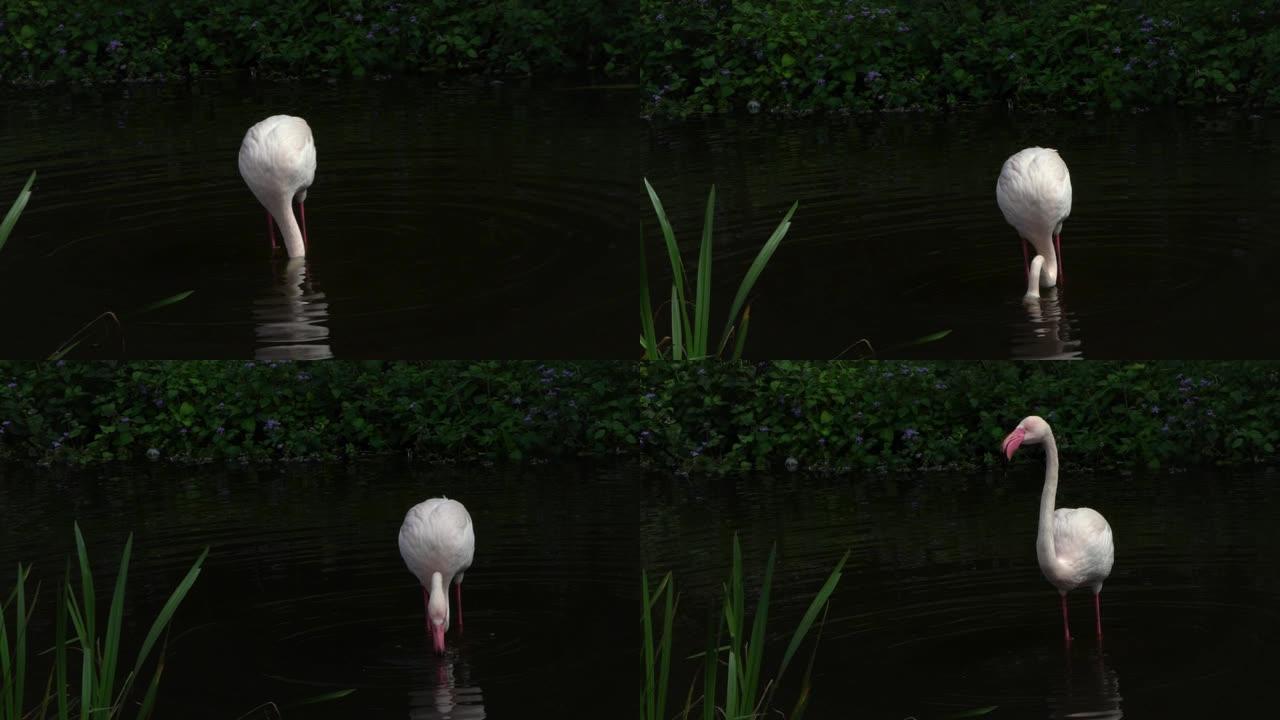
[942, 607]
[1168, 251]
[304, 591]
[444, 222]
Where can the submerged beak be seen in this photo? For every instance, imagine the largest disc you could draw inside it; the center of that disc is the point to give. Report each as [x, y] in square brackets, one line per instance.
[437, 638]
[1011, 442]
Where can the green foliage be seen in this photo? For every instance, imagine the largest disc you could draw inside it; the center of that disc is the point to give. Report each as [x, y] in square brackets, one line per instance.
[705, 417]
[801, 55]
[83, 40]
[689, 340]
[15, 210]
[744, 696]
[105, 683]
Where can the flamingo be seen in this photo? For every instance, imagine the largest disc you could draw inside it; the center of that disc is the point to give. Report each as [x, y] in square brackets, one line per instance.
[437, 542]
[1034, 193]
[278, 163]
[1073, 545]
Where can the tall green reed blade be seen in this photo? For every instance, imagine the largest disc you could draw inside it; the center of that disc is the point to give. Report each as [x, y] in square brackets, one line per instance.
[753, 273]
[13, 657]
[167, 612]
[649, 697]
[15, 210]
[657, 661]
[677, 265]
[806, 682]
[819, 600]
[115, 617]
[755, 648]
[677, 335]
[60, 637]
[650, 337]
[741, 333]
[702, 293]
[712, 666]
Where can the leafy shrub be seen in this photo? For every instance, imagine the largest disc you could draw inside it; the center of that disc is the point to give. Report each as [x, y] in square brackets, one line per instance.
[793, 55]
[690, 417]
[83, 40]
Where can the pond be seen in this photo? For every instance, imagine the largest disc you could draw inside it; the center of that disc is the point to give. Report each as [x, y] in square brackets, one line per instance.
[942, 608]
[445, 222]
[304, 591]
[898, 235]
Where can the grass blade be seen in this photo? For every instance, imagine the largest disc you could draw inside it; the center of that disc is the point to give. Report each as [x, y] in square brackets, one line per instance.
[15, 210]
[650, 338]
[324, 697]
[20, 644]
[664, 665]
[149, 699]
[814, 607]
[60, 636]
[677, 338]
[702, 292]
[712, 667]
[7, 700]
[163, 302]
[755, 649]
[170, 607]
[649, 699]
[741, 340]
[673, 253]
[753, 273]
[115, 618]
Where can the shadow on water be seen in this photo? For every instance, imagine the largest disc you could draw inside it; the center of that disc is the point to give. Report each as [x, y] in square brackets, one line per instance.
[1048, 331]
[304, 592]
[942, 608]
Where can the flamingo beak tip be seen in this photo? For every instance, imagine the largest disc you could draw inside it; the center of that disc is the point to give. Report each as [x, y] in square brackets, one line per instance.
[1011, 442]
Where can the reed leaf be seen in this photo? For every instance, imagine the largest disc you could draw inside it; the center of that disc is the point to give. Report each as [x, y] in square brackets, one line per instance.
[702, 303]
[819, 600]
[677, 265]
[15, 210]
[115, 617]
[649, 339]
[753, 273]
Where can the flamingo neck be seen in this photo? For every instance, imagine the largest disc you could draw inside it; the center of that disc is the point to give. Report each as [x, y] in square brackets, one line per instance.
[282, 211]
[1048, 497]
[438, 602]
[1033, 278]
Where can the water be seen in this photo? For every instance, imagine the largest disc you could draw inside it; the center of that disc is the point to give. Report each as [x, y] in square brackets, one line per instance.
[472, 221]
[304, 591]
[942, 607]
[898, 235]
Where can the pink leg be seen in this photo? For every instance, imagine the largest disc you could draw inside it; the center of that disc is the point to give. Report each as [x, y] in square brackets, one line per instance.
[1057, 248]
[1097, 612]
[302, 210]
[458, 590]
[271, 232]
[1026, 260]
[1066, 628]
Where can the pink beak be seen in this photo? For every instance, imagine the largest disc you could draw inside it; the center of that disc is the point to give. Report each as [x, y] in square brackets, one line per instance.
[1011, 442]
[437, 638]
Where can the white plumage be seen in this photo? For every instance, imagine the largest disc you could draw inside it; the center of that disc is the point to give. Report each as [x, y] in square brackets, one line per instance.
[1073, 545]
[1034, 193]
[278, 163]
[437, 542]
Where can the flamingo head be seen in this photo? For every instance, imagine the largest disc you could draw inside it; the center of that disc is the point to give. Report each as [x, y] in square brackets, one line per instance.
[1031, 431]
[437, 613]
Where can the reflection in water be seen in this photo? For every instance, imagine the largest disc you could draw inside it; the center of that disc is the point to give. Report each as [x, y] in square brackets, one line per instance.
[452, 697]
[288, 321]
[1047, 335]
[1091, 689]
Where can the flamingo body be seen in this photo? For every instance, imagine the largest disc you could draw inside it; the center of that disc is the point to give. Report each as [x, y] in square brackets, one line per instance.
[1074, 546]
[278, 163]
[437, 542]
[1034, 194]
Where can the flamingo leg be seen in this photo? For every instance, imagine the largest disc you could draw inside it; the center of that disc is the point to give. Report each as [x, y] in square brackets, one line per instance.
[1066, 628]
[271, 231]
[1097, 612]
[1057, 248]
[457, 587]
[302, 210]
[1026, 259]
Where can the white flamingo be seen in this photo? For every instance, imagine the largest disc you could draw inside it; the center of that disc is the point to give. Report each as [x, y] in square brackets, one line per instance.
[437, 542]
[1034, 193]
[1073, 545]
[278, 163]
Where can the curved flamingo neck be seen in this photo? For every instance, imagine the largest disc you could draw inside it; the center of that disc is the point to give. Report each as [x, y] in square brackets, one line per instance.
[282, 211]
[1048, 497]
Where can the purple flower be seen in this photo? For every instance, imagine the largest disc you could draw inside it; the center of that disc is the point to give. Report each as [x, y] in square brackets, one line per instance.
[220, 430]
[903, 28]
[940, 386]
[649, 396]
[726, 72]
[114, 45]
[1155, 409]
[359, 18]
[857, 439]
[1115, 50]
[61, 363]
[368, 36]
[12, 385]
[822, 81]
[660, 17]
[303, 377]
[910, 434]
[56, 444]
[764, 428]
[62, 51]
[796, 412]
[413, 19]
[271, 424]
[848, 17]
[124, 420]
[1012, 56]
[872, 76]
